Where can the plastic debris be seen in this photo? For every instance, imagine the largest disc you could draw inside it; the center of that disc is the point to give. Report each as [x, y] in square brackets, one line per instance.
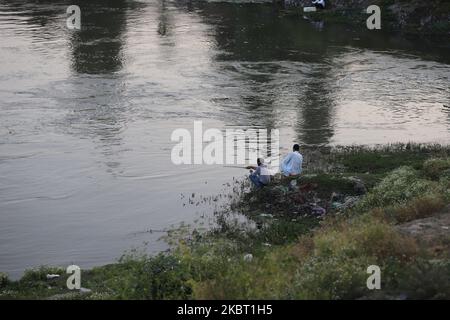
[85, 290]
[248, 257]
[318, 211]
[309, 9]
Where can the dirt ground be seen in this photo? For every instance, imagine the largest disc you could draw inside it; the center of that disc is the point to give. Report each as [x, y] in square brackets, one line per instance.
[434, 232]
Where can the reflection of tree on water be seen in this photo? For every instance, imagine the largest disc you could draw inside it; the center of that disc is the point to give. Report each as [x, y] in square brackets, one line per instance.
[164, 29]
[314, 123]
[97, 47]
[269, 58]
[94, 94]
[99, 108]
[41, 14]
[163, 19]
[446, 109]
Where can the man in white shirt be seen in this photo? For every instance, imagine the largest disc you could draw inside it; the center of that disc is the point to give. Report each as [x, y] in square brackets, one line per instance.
[319, 3]
[292, 163]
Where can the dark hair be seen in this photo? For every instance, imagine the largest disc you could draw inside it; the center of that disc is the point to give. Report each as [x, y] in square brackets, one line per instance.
[296, 147]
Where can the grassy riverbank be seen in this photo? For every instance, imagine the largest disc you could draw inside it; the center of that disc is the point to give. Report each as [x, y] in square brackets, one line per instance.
[386, 206]
[409, 17]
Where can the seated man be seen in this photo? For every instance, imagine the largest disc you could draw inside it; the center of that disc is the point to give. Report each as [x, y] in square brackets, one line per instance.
[319, 3]
[292, 163]
[261, 176]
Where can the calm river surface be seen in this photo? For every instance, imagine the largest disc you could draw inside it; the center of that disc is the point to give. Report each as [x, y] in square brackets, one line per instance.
[86, 117]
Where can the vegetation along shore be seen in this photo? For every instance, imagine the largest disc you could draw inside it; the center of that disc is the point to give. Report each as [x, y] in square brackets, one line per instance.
[414, 17]
[311, 237]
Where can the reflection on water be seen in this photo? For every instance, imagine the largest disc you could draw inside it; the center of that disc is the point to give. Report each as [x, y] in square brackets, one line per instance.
[86, 117]
[315, 121]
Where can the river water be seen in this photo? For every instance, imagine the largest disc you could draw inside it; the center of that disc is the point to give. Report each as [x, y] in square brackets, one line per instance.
[86, 116]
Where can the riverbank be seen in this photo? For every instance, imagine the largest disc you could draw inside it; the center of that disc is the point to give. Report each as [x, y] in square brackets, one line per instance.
[311, 237]
[431, 18]
[409, 17]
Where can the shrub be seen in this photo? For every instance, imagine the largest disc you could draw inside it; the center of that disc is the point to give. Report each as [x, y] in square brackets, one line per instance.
[283, 231]
[265, 277]
[3, 279]
[34, 282]
[365, 236]
[436, 167]
[398, 187]
[336, 265]
[336, 277]
[142, 277]
[40, 274]
[417, 208]
[426, 280]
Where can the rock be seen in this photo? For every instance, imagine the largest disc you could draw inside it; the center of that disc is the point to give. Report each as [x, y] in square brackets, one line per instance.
[428, 230]
[358, 185]
[360, 188]
[52, 276]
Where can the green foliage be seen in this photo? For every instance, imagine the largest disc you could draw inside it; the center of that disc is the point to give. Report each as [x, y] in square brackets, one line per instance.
[417, 208]
[435, 168]
[284, 231]
[366, 236]
[3, 279]
[425, 279]
[266, 276]
[334, 277]
[328, 183]
[40, 274]
[398, 187]
[142, 277]
[379, 161]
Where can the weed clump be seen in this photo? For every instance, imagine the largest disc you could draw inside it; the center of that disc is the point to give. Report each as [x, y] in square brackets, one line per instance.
[436, 167]
[398, 187]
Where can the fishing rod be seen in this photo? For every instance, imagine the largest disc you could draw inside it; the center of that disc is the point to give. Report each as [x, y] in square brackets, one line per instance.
[236, 167]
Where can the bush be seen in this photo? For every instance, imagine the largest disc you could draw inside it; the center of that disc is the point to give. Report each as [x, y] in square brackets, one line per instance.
[426, 280]
[435, 168]
[285, 231]
[337, 259]
[335, 277]
[34, 282]
[365, 236]
[142, 277]
[265, 277]
[417, 208]
[3, 279]
[398, 187]
[37, 275]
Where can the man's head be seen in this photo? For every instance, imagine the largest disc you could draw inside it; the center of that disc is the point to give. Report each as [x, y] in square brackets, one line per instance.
[260, 161]
[296, 147]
